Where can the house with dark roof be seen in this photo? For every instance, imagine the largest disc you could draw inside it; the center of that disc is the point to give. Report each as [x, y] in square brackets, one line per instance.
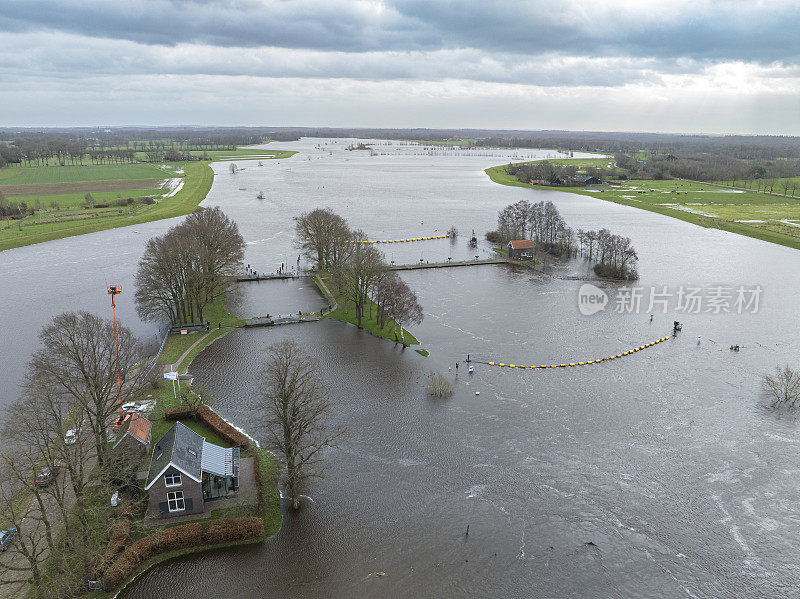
[521, 249]
[136, 439]
[186, 471]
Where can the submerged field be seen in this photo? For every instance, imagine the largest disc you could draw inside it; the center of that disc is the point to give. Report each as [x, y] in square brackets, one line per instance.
[764, 216]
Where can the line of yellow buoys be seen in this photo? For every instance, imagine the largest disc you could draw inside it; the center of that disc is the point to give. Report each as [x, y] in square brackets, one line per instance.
[404, 240]
[586, 363]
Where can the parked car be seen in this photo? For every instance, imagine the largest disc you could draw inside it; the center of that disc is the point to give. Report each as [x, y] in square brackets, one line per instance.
[6, 536]
[72, 436]
[46, 476]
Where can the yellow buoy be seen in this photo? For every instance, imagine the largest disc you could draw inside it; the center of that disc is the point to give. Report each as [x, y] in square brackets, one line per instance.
[491, 363]
[572, 363]
[561, 365]
[611, 357]
[511, 366]
[501, 364]
[582, 363]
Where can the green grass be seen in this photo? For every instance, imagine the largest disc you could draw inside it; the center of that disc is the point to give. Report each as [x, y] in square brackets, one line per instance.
[346, 312]
[66, 174]
[244, 154]
[176, 345]
[78, 200]
[197, 182]
[704, 204]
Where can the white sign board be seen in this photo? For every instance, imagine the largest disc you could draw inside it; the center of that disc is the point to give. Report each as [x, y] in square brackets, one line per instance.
[171, 376]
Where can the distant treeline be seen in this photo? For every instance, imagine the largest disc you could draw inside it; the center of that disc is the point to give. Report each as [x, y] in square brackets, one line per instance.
[116, 146]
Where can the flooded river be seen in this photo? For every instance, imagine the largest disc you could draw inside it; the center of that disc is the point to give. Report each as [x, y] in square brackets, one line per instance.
[657, 475]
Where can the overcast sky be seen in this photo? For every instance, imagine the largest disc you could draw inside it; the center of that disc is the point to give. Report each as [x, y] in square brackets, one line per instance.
[633, 65]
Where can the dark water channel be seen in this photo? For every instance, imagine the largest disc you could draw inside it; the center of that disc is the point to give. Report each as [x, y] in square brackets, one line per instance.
[657, 475]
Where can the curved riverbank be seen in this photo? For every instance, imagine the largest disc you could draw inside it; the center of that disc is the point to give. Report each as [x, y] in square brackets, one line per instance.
[621, 195]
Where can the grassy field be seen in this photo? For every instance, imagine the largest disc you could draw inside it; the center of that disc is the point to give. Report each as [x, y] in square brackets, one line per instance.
[67, 201]
[57, 193]
[63, 174]
[245, 154]
[197, 182]
[767, 217]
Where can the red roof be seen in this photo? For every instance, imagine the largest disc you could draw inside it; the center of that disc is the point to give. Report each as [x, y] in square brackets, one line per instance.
[139, 428]
[521, 244]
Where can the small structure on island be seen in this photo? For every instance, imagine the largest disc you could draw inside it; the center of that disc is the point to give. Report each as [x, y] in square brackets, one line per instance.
[186, 471]
[521, 249]
[136, 439]
[592, 181]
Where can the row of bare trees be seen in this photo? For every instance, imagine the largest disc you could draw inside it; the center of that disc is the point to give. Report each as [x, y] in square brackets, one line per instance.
[187, 268]
[612, 255]
[70, 384]
[358, 270]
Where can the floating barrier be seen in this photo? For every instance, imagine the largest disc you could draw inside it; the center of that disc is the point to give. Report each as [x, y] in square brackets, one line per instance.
[585, 363]
[413, 239]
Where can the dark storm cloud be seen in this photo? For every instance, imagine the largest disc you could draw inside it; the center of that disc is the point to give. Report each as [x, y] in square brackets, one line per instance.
[720, 30]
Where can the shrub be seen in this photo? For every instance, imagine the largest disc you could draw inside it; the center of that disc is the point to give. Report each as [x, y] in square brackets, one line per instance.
[213, 421]
[438, 385]
[184, 536]
[783, 387]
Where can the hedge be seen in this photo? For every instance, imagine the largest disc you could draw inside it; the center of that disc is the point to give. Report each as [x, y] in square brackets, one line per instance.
[213, 421]
[184, 536]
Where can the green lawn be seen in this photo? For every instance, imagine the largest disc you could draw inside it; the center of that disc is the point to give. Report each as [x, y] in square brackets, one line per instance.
[346, 312]
[78, 200]
[197, 182]
[704, 204]
[244, 154]
[62, 174]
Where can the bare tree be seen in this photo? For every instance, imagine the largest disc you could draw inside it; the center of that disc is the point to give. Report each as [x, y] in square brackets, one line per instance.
[297, 414]
[323, 237]
[193, 397]
[783, 386]
[78, 361]
[404, 308]
[187, 268]
[360, 274]
[437, 385]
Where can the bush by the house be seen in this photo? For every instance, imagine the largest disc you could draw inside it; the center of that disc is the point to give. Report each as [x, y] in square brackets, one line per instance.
[213, 421]
[185, 536]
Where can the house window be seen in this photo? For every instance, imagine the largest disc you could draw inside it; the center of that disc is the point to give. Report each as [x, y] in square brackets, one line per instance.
[172, 480]
[175, 501]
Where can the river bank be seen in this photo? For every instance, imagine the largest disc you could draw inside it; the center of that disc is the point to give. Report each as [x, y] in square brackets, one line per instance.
[195, 181]
[709, 205]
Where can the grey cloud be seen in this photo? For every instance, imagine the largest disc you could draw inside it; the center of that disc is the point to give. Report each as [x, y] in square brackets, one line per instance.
[24, 54]
[701, 30]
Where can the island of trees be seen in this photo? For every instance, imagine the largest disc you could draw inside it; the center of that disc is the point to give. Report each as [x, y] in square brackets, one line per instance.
[611, 256]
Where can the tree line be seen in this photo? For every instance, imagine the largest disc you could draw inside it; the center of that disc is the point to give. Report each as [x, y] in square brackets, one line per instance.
[541, 222]
[358, 271]
[611, 255]
[187, 268]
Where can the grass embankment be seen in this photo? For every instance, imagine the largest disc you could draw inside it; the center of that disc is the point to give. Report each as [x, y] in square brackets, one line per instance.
[66, 186]
[774, 219]
[346, 311]
[196, 183]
